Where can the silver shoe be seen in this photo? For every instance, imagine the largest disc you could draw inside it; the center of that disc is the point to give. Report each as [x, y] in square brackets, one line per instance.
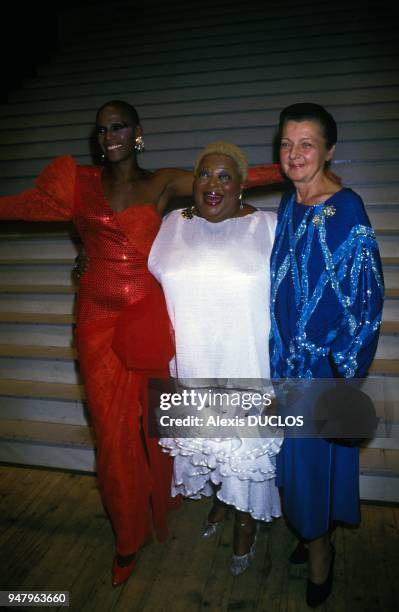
[209, 529]
[240, 563]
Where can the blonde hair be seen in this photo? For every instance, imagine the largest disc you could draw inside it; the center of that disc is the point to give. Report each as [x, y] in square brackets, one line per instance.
[225, 148]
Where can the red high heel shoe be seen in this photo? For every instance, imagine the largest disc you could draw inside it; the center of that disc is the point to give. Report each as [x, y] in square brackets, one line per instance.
[121, 573]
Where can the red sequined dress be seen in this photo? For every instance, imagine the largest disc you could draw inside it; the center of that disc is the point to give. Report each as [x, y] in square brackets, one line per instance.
[118, 300]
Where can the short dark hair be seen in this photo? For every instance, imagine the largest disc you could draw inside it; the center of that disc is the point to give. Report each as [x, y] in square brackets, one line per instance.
[128, 108]
[307, 111]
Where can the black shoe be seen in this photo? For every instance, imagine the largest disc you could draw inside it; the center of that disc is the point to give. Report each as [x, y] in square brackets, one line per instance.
[300, 554]
[317, 593]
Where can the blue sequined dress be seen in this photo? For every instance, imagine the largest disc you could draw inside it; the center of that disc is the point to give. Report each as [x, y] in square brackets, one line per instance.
[326, 303]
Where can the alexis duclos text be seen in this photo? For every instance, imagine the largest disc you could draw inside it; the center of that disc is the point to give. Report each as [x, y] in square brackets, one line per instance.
[199, 400]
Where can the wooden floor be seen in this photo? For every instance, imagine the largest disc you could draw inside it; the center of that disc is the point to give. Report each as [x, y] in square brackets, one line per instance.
[54, 536]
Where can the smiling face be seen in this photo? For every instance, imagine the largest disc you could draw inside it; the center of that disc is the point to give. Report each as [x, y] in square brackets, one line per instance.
[217, 188]
[303, 151]
[116, 132]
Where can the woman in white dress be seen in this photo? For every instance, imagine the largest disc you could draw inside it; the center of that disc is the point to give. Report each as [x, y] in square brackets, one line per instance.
[212, 261]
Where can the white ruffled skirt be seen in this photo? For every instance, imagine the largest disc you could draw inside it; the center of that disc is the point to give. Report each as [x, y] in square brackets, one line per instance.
[244, 469]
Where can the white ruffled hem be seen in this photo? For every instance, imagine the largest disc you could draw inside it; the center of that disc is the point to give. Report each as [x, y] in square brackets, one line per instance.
[259, 498]
[243, 458]
[243, 469]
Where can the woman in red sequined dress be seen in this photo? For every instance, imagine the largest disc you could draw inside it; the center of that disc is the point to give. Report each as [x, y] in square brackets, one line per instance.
[123, 332]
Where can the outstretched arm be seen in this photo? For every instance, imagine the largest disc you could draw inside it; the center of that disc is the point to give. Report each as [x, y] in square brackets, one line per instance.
[51, 200]
[269, 174]
[266, 174]
[175, 184]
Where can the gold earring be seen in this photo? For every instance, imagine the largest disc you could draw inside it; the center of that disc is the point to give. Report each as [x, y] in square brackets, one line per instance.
[139, 144]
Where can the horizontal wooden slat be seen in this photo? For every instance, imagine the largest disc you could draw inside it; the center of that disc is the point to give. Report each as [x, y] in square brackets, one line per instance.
[388, 345]
[45, 390]
[44, 432]
[36, 262]
[62, 233]
[387, 232]
[31, 288]
[379, 460]
[23, 282]
[390, 327]
[28, 317]
[38, 409]
[44, 369]
[385, 366]
[391, 315]
[30, 333]
[66, 353]
[390, 261]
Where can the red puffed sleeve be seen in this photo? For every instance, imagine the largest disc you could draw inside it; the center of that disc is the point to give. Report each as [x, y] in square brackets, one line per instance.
[51, 200]
[264, 175]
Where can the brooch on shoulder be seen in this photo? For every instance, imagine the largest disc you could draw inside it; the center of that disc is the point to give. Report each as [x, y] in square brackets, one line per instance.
[188, 213]
[328, 211]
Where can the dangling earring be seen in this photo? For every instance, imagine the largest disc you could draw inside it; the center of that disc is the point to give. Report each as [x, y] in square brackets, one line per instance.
[240, 200]
[102, 156]
[139, 144]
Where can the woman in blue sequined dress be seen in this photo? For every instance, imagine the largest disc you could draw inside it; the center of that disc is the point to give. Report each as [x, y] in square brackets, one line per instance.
[326, 301]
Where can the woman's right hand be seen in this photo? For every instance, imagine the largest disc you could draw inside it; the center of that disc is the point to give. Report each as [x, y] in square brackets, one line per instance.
[81, 263]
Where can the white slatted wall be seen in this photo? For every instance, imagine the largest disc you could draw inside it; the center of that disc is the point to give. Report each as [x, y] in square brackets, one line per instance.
[198, 72]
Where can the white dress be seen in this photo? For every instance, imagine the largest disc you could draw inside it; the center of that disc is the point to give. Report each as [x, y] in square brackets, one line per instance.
[216, 281]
